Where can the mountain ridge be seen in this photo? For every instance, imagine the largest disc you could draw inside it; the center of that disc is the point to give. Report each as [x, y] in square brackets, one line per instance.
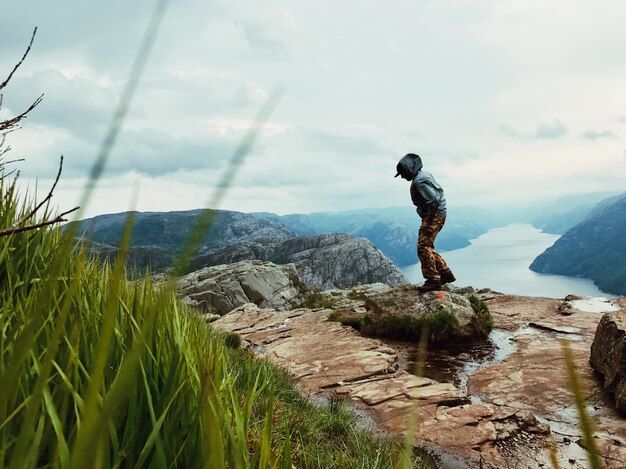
[595, 249]
[329, 260]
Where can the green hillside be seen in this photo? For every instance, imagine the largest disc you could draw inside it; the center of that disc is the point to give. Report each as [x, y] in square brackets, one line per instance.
[593, 249]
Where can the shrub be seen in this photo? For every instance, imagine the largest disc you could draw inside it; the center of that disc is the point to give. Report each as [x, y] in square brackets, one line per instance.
[439, 326]
[232, 340]
[356, 295]
[316, 300]
[485, 321]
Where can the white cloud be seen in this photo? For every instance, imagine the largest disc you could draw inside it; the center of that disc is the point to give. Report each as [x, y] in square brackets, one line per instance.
[550, 130]
[472, 87]
[595, 135]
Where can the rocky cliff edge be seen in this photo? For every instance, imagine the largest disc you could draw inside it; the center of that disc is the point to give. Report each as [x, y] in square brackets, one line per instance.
[507, 408]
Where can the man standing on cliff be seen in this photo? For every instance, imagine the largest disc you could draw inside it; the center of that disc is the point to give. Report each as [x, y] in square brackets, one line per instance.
[427, 196]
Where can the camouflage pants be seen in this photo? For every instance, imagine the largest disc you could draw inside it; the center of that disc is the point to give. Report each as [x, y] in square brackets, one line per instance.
[432, 262]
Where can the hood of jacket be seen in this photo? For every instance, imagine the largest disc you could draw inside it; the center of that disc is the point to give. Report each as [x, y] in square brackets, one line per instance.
[409, 164]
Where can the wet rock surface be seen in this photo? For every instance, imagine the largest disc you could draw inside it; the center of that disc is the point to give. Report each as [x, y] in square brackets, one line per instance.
[514, 402]
[533, 377]
[608, 355]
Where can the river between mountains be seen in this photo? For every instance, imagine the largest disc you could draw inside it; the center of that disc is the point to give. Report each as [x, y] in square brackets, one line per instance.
[499, 260]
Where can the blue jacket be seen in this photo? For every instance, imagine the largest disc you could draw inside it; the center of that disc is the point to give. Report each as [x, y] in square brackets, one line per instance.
[426, 193]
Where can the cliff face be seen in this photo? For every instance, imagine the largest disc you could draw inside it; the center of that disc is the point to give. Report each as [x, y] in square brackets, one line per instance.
[593, 249]
[338, 261]
[323, 261]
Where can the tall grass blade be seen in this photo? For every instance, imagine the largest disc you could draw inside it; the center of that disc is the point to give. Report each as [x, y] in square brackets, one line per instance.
[154, 436]
[554, 456]
[63, 450]
[266, 436]
[25, 441]
[593, 455]
[240, 418]
[212, 414]
[286, 455]
[405, 461]
[89, 433]
[205, 219]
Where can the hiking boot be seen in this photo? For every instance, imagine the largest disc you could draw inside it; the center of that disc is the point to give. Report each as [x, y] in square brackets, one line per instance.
[429, 285]
[447, 276]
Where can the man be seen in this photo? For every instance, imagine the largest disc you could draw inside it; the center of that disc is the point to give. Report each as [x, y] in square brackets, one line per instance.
[427, 196]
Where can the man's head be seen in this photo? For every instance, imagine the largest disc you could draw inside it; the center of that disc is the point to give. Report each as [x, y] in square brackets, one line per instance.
[408, 166]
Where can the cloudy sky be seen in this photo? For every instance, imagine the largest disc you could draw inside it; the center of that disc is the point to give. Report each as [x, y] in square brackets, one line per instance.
[506, 101]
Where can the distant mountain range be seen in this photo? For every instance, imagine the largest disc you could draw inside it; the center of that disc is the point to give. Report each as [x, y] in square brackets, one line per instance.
[323, 260]
[595, 248]
[583, 251]
[393, 230]
[237, 236]
[566, 212]
[158, 236]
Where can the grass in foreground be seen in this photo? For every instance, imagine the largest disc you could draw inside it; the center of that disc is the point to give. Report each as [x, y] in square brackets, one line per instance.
[96, 371]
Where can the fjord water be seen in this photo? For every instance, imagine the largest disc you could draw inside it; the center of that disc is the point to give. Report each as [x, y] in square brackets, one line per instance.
[499, 260]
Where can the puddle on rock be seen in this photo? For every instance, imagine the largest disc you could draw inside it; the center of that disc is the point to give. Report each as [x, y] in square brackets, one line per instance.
[595, 305]
[456, 363]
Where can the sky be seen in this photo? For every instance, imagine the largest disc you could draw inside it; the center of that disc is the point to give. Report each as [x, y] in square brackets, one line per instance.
[506, 101]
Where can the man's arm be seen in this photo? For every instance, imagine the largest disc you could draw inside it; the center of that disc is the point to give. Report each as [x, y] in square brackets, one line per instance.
[429, 199]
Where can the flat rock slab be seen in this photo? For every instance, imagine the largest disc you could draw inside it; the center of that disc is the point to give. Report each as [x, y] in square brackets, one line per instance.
[533, 378]
[515, 403]
[380, 390]
[326, 357]
[317, 352]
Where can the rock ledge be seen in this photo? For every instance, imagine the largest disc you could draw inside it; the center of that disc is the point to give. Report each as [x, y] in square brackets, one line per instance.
[608, 355]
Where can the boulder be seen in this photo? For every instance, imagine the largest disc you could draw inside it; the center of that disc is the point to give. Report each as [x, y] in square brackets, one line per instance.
[608, 355]
[402, 312]
[221, 288]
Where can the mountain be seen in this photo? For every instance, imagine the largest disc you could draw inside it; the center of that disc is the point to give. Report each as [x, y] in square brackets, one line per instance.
[393, 230]
[594, 249]
[324, 260]
[329, 261]
[565, 212]
[167, 232]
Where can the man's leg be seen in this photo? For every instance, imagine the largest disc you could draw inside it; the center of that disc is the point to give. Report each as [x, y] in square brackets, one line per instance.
[432, 262]
[440, 262]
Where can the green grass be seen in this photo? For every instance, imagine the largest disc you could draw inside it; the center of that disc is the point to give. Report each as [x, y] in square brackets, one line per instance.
[316, 299]
[96, 371]
[440, 324]
[485, 321]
